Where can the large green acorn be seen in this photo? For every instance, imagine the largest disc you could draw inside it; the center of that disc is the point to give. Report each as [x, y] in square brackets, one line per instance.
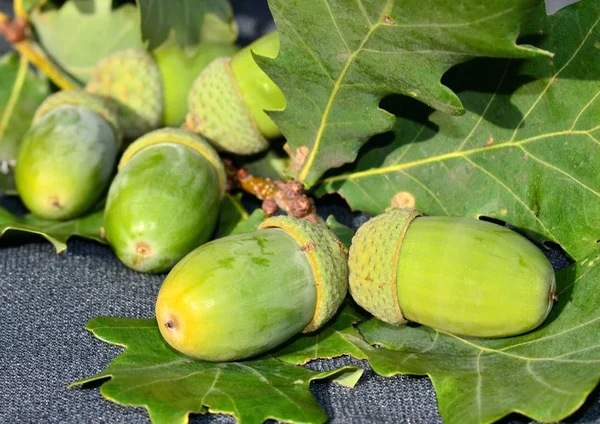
[68, 155]
[460, 275]
[178, 72]
[130, 80]
[164, 201]
[228, 100]
[242, 295]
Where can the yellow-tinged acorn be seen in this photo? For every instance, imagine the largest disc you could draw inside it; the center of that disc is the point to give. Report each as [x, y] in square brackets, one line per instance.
[228, 100]
[68, 155]
[460, 275]
[131, 81]
[242, 295]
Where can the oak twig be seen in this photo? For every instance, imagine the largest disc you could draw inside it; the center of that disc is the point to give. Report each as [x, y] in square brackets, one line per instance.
[14, 30]
[287, 196]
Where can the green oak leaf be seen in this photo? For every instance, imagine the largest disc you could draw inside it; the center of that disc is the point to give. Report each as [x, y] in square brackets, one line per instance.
[56, 232]
[192, 21]
[338, 59]
[21, 92]
[545, 374]
[339, 337]
[234, 219]
[77, 40]
[171, 386]
[527, 151]
[342, 232]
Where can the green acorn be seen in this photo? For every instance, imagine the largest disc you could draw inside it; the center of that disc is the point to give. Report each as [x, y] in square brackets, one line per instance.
[228, 100]
[242, 295]
[131, 81]
[460, 275]
[178, 72]
[164, 201]
[68, 155]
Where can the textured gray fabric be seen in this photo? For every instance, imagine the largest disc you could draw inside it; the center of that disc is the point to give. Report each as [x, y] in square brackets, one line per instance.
[46, 300]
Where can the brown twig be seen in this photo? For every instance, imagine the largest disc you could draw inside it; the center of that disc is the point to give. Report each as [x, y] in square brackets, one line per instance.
[14, 30]
[287, 196]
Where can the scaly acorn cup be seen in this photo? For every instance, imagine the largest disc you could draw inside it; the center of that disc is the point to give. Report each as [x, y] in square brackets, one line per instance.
[68, 155]
[178, 72]
[131, 81]
[460, 275]
[242, 295]
[228, 100]
[164, 201]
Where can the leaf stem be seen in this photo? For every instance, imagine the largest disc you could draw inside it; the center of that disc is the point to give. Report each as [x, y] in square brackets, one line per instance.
[20, 11]
[41, 61]
[14, 94]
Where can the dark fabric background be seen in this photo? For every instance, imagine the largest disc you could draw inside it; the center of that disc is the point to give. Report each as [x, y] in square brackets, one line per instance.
[46, 299]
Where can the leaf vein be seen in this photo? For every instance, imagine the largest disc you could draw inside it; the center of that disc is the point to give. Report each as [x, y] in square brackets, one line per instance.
[410, 144]
[266, 381]
[461, 24]
[445, 156]
[512, 193]
[338, 84]
[582, 111]
[551, 336]
[569, 176]
[543, 382]
[552, 79]
[337, 28]
[486, 107]
[428, 190]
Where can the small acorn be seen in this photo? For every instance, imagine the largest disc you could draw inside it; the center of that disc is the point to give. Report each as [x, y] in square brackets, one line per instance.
[228, 100]
[242, 295]
[130, 80]
[164, 201]
[178, 72]
[68, 155]
[460, 275]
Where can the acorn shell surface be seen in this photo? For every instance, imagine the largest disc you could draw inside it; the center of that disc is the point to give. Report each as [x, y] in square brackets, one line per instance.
[163, 203]
[473, 278]
[238, 296]
[66, 161]
[80, 98]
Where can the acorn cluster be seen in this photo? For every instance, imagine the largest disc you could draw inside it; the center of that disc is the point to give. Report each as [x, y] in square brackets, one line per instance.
[147, 131]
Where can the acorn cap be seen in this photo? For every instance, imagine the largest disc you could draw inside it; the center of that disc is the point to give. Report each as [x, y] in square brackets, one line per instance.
[328, 259]
[178, 136]
[218, 111]
[131, 80]
[80, 98]
[373, 263]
